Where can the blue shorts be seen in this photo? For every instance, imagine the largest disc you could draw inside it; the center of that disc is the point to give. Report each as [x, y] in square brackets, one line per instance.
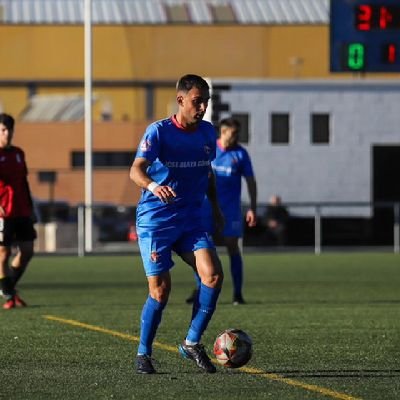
[233, 226]
[233, 219]
[156, 245]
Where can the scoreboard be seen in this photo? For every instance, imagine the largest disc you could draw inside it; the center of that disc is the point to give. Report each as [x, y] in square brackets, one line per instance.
[365, 36]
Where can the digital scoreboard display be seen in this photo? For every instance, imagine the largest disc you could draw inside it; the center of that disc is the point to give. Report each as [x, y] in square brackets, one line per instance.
[365, 36]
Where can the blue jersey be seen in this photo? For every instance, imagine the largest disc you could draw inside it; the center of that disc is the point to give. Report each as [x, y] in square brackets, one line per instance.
[180, 159]
[229, 166]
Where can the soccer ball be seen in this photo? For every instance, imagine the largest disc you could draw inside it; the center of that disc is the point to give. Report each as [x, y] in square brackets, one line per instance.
[233, 348]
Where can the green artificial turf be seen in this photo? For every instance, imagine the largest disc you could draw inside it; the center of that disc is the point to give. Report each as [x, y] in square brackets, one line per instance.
[323, 327]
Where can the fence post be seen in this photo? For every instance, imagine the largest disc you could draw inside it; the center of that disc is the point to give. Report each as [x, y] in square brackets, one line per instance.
[81, 231]
[317, 230]
[396, 228]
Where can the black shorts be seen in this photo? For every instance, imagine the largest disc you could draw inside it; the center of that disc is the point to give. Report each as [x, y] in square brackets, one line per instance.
[17, 229]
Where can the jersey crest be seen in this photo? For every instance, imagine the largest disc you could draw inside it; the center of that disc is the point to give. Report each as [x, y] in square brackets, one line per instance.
[154, 256]
[145, 145]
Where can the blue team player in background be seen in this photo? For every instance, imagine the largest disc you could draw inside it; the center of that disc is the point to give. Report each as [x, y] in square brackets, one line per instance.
[173, 168]
[232, 162]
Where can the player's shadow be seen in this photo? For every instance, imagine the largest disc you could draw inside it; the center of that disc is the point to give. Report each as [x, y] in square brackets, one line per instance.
[80, 285]
[311, 302]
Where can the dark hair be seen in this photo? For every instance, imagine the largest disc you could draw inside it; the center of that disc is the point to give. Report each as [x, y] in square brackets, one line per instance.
[8, 121]
[230, 123]
[187, 82]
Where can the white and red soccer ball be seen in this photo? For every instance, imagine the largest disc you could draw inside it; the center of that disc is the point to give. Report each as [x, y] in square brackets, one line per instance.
[233, 348]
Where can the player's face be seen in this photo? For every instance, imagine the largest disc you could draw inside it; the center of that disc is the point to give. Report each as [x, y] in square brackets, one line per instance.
[193, 105]
[229, 136]
[5, 136]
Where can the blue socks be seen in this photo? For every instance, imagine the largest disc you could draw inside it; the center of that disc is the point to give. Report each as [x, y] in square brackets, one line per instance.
[237, 273]
[202, 312]
[151, 318]
[196, 304]
[203, 309]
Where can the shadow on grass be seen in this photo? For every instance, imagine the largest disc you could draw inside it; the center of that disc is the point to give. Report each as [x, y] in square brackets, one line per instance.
[81, 285]
[312, 302]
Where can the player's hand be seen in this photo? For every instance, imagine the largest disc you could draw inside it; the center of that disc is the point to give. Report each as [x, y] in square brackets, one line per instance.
[251, 218]
[2, 212]
[165, 193]
[34, 218]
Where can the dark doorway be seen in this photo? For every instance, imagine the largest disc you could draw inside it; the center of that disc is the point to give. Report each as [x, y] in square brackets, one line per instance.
[386, 188]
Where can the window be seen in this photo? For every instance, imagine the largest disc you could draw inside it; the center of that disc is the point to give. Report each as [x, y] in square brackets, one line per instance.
[280, 128]
[244, 126]
[104, 159]
[320, 129]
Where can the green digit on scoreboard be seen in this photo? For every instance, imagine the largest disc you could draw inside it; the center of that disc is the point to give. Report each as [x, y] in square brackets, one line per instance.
[356, 56]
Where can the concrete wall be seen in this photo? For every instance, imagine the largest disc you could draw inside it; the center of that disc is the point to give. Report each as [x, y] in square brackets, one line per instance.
[362, 114]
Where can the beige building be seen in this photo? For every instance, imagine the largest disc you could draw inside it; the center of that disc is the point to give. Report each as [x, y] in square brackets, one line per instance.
[137, 57]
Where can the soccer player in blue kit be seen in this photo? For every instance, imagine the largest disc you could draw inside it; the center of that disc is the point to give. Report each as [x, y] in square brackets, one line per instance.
[173, 168]
[232, 162]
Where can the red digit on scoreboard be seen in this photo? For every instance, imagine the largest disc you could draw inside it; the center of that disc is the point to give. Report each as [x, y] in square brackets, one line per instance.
[391, 53]
[364, 17]
[385, 17]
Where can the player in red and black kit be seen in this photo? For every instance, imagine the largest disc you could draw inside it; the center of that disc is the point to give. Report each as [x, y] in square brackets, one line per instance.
[16, 225]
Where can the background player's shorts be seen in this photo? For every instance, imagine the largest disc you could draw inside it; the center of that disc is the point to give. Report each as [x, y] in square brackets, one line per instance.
[233, 226]
[156, 245]
[16, 229]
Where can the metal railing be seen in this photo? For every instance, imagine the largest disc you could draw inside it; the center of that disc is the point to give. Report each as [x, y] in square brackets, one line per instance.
[381, 205]
[313, 227]
[330, 225]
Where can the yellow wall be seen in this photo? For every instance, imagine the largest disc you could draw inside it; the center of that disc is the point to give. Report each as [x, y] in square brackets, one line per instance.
[159, 53]
[164, 52]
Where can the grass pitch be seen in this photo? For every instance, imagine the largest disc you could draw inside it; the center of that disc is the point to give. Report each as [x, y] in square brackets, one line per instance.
[324, 327]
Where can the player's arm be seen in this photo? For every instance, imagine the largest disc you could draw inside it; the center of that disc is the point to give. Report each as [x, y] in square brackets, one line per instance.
[213, 199]
[251, 215]
[139, 175]
[2, 188]
[4, 196]
[28, 190]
